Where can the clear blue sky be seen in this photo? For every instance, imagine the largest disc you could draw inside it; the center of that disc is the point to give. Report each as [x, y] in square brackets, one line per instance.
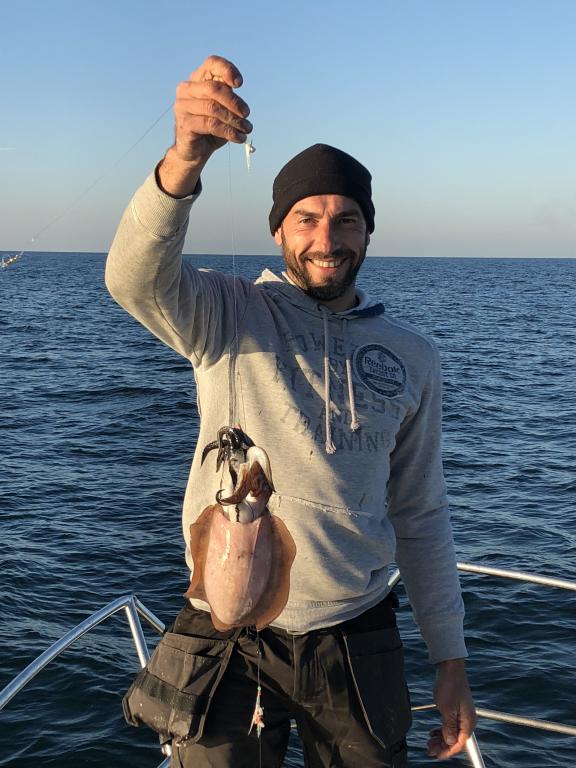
[463, 110]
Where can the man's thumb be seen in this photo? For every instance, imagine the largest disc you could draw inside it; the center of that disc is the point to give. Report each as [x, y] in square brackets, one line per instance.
[450, 731]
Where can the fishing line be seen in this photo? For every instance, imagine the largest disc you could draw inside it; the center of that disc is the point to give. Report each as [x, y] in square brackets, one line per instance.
[258, 714]
[234, 280]
[93, 184]
[259, 709]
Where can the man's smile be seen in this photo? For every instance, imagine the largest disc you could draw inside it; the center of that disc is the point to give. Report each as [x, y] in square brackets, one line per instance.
[327, 264]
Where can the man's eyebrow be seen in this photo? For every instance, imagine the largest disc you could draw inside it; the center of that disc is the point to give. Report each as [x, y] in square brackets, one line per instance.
[316, 214]
[302, 212]
[350, 212]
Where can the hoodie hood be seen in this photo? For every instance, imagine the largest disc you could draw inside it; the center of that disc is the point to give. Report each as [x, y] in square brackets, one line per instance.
[366, 307]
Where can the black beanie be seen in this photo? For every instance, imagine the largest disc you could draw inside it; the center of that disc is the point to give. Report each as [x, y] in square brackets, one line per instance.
[321, 170]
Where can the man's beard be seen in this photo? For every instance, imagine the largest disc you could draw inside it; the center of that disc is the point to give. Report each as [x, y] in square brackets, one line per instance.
[334, 287]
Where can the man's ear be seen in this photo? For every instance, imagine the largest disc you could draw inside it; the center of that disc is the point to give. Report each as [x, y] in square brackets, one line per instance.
[278, 236]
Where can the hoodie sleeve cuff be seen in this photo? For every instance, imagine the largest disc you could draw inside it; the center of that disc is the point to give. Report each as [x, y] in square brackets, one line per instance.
[444, 640]
[160, 214]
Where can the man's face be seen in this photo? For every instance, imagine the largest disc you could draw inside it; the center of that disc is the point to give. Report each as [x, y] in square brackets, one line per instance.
[324, 240]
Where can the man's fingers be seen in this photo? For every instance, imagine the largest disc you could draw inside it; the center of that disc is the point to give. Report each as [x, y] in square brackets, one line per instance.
[458, 726]
[208, 126]
[451, 738]
[457, 746]
[454, 700]
[450, 730]
[211, 109]
[208, 112]
[213, 91]
[437, 746]
[219, 69]
[210, 118]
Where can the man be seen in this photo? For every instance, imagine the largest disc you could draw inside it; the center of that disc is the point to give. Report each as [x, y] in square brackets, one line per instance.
[346, 402]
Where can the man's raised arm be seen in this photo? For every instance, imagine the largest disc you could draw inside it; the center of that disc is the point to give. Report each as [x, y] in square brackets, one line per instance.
[144, 271]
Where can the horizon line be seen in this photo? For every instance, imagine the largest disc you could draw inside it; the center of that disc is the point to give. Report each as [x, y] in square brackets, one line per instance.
[8, 252]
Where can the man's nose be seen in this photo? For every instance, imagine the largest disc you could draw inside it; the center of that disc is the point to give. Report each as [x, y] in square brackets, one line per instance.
[326, 236]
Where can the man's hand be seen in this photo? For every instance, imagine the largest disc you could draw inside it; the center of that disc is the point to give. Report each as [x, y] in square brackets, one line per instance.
[208, 114]
[454, 701]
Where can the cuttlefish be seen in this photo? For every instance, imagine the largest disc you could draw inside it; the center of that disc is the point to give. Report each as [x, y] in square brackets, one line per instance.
[242, 553]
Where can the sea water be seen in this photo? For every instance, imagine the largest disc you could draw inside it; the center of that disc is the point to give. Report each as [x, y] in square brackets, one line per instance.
[98, 425]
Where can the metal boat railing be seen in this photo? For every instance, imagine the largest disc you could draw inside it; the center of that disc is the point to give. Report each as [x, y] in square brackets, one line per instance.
[129, 603]
[490, 714]
[135, 609]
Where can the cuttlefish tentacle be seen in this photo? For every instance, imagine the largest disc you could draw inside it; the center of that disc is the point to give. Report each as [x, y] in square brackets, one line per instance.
[253, 487]
[242, 554]
[228, 438]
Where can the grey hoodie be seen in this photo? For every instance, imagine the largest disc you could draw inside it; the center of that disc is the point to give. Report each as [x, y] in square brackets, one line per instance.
[347, 406]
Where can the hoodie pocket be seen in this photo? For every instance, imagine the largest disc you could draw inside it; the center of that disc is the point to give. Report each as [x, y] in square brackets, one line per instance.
[172, 694]
[376, 660]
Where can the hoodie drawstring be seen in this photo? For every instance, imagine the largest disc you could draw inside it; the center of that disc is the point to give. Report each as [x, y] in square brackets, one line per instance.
[329, 445]
[354, 423]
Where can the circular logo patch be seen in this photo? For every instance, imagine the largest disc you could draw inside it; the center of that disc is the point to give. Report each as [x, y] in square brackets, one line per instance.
[380, 370]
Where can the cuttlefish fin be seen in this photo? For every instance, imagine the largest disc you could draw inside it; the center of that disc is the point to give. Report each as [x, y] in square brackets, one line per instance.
[199, 536]
[219, 626]
[275, 597]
